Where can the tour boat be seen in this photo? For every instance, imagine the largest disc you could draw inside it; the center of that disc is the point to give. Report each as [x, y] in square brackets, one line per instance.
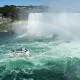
[22, 51]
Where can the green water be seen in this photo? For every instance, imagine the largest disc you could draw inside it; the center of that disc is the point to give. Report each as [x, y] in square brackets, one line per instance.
[49, 59]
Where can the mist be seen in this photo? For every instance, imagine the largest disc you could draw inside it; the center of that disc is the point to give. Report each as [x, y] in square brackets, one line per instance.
[55, 21]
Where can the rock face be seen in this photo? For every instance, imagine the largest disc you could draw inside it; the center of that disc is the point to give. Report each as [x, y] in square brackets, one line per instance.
[4, 24]
[5, 20]
[3, 30]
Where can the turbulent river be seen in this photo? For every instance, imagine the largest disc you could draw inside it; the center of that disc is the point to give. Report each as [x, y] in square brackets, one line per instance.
[50, 58]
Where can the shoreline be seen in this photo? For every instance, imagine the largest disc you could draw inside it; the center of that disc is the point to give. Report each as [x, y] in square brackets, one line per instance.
[5, 31]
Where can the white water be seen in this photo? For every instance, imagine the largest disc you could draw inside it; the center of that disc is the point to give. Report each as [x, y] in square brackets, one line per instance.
[38, 25]
[46, 24]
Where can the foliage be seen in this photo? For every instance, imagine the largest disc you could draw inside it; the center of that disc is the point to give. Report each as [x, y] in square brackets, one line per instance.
[12, 10]
[9, 11]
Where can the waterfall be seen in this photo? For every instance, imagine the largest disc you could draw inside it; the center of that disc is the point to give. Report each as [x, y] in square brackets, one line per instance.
[34, 24]
[46, 24]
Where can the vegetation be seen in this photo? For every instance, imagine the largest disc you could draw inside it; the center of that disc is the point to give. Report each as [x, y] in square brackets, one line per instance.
[11, 11]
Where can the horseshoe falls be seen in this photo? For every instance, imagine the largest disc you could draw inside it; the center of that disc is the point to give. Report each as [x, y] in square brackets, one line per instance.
[53, 40]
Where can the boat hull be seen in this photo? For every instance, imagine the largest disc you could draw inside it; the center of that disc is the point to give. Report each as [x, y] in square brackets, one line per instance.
[20, 53]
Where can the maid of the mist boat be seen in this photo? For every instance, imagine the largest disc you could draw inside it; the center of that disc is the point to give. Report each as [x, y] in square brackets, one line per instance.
[22, 51]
